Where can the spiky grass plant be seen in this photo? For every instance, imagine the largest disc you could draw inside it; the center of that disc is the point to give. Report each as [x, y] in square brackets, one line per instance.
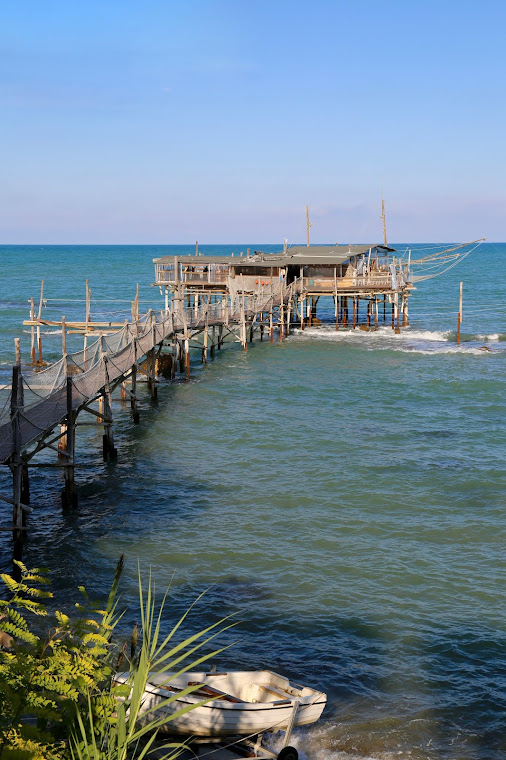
[133, 729]
[58, 697]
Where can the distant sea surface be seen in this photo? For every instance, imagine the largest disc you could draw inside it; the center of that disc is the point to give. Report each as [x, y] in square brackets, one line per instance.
[344, 491]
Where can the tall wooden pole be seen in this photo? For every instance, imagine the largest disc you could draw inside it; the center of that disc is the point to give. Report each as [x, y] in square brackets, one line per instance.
[63, 336]
[108, 448]
[16, 466]
[308, 225]
[69, 496]
[88, 298]
[383, 218]
[32, 331]
[39, 339]
[459, 316]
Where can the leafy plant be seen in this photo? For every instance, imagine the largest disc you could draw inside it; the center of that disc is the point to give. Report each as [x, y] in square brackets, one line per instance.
[43, 678]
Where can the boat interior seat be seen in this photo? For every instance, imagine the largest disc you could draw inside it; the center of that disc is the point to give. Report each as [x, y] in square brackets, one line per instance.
[258, 692]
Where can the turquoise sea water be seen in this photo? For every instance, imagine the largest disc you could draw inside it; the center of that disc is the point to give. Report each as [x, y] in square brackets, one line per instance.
[344, 491]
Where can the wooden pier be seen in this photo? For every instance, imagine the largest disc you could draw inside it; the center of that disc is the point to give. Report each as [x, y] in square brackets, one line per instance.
[208, 301]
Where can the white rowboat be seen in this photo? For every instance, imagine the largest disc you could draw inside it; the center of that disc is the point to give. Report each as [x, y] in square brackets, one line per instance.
[240, 703]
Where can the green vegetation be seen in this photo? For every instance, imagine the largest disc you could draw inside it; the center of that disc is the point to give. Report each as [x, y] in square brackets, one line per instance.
[58, 698]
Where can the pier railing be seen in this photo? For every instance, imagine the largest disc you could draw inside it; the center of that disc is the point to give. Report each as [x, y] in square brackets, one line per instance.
[42, 399]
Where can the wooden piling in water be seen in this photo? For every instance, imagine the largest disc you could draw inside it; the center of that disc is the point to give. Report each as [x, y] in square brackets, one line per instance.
[69, 496]
[32, 332]
[459, 315]
[133, 395]
[108, 448]
[15, 464]
[39, 338]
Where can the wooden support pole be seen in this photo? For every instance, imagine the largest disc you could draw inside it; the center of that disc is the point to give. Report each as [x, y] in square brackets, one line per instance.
[25, 487]
[32, 332]
[174, 359]
[243, 325]
[151, 360]
[100, 402]
[459, 315]
[88, 303]
[69, 496]
[404, 304]
[335, 299]
[109, 450]
[133, 395]
[375, 314]
[16, 465]
[62, 443]
[384, 307]
[187, 357]
[151, 370]
[393, 316]
[206, 342]
[271, 325]
[39, 339]
[63, 336]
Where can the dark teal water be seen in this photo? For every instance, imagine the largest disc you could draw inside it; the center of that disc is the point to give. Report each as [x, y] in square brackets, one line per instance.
[344, 491]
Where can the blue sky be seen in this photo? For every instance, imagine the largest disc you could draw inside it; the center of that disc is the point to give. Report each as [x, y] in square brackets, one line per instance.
[167, 122]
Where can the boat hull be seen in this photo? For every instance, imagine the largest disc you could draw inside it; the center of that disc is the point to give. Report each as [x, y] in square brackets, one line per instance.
[218, 717]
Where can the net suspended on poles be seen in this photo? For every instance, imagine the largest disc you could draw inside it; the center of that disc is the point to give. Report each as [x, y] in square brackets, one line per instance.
[42, 403]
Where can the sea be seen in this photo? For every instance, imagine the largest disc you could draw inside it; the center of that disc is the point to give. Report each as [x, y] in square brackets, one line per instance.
[343, 492]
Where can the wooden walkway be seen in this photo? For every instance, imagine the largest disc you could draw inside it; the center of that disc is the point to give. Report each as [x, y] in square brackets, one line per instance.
[41, 407]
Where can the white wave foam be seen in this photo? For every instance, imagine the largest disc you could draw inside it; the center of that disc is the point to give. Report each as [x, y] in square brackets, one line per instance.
[52, 332]
[493, 338]
[408, 340]
[317, 744]
[447, 350]
[380, 334]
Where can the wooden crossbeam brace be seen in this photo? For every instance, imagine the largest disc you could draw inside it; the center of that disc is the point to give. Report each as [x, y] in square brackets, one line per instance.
[43, 444]
[96, 413]
[11, 501]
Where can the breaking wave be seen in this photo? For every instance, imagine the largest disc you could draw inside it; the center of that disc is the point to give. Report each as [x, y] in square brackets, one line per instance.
[408, 340]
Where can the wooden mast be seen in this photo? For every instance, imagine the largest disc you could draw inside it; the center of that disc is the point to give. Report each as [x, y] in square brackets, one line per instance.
[383, 219]
[308, 225]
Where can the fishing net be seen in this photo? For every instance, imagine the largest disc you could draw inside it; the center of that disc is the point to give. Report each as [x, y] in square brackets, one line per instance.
[108, 359]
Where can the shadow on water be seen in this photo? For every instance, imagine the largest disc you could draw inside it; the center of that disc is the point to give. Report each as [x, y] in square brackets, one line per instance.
[465, 677]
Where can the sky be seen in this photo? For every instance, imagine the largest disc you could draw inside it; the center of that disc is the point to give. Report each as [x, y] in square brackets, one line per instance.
[173, 121]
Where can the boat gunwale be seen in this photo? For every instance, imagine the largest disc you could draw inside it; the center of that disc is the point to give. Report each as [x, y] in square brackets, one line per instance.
[220, 703]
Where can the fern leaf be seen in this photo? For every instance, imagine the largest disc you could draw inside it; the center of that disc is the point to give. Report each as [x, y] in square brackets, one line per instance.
[62, 618]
